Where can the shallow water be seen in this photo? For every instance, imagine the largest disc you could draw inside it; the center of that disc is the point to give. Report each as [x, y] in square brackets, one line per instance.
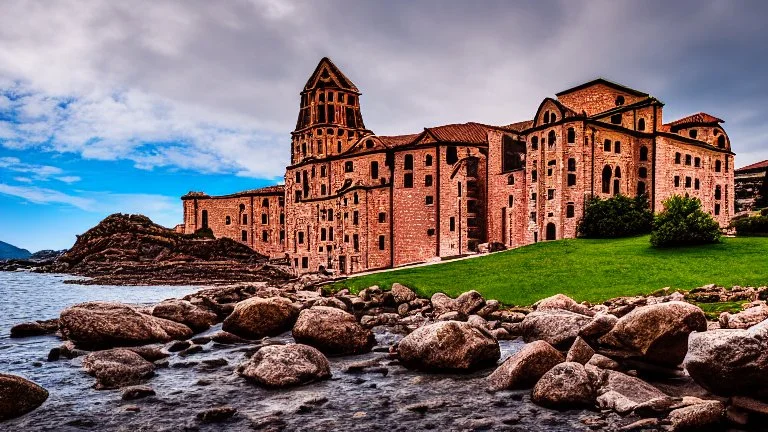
[349, 402]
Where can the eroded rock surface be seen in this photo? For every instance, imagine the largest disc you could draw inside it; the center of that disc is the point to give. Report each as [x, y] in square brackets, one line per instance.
[184, 312]
[117, 367]
[19, 396]
[448, 345]
[332, 331]
[558, 328]
[524, 368]
[257, 317]
[565, 386]
[286, 365]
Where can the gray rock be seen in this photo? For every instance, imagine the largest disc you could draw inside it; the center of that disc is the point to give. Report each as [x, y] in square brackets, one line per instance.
[117, 367]
[216, 414]
[332, 331]
[19, 396]
[448, 345]
[257, 317]
[524, 368]
[286, 365]
[601, 324]
[441, 304]
[559, 328]
[331, 302]
[565, 386]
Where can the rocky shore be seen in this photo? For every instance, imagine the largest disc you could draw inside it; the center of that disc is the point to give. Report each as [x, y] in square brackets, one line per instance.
[391, 360]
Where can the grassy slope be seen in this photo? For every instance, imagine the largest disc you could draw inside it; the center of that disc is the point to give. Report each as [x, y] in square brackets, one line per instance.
[592, 270]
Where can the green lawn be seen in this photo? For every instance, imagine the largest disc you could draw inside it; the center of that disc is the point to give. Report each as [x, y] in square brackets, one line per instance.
[591, 270]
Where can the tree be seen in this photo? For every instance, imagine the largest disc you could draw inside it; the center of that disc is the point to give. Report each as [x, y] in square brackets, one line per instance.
[682, 223]
[618, 216]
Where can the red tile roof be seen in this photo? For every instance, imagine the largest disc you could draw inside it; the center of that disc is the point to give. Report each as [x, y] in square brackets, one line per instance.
[398, 140]
[696, 118]
[519, 126]
[472, 133]
[606, 83]
[754, 166]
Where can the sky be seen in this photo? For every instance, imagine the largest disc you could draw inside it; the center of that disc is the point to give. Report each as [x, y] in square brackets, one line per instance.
[109, 106]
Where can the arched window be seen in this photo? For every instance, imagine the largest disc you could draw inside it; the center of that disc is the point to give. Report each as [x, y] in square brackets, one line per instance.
[606, 177]
[368, 143]
[264, 236]
[204, 216]
[619, 100]
[571, 136]
[552, 118]
[616, 186]
[428, 160]
[546, 117]
[570, 210]
[643, 153]
[718, 192]
[642, 172]
[242, 207]
[408, 162]
[535, 143]
[617, 173]
[640, 188]
[678, 158]
[718, 165]
[641, 124]
[265, 203]
[511, 179]
[551, 231]
[721, 141]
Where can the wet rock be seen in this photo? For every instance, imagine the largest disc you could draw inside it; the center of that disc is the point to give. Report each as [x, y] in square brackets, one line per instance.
[565, 386]
[469, 302]
[744, 319]
[657, 407]
[403, 309]
[425, 406]
[184, 312]
[179, 346]
[580, 352]
[215, 363]
[657, 333]
[601, 324]
[332, 331]
[227, 338]
[216, 414]
[697, 417]
[749, 404]
[448, 345]
[201, 340]
[524, 368]
[369, 321]
[117, 367]
[441, 304]
[149, 352]
[558, 328]
[562, 302]
[35, 328]
[194, 349]
[105, 325]
[646, 424]
[136, 392]
[286, 365]
[729, 362]
[257, 317]
[622, 393]
[19, 396]
[402, 294]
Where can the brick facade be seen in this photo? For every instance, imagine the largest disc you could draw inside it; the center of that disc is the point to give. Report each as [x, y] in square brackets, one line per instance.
[355, 201]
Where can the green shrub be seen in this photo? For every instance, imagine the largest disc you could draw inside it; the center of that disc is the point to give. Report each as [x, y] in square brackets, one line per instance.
[619, 216]
[683, 223]
[751, 225]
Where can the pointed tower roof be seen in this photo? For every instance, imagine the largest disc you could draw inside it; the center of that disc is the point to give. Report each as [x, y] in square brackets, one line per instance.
[326, 74]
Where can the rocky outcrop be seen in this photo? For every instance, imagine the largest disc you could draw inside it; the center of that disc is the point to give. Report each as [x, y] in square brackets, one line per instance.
[106, 325]
[35, 328]
[656, 333]
[184, 312]
[286, 365]
[703, 416]
[332, 331]
[402, 294]
[19, 396]
[565, 386]
[524, 368]
[448, 346]
[469, 302]
[258, 317]
[117, 368]
[558, 328]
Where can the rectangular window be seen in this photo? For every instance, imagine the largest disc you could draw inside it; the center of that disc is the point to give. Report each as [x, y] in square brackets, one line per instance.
[301, 237]
[697, 184]
[297, 198]
[282, 236]
[569, 211]
[374, 170]
[550, 194]
[571, 179]
[330, 233]
[244, 235]
[677, 181]
[323, 234]
[697, 162]
[382, 217]
[678, 157]
[688, 159]
[533, 196]
[349, 166]
[429, 200]
[355, 217]
[533, 216]
[452, 223]
[356, 242]
[427, 180]
[381, 242]
[534, 176]
[330, 215]
[607, 145]
[451, 155]
[511, 200]
[304, 262]
[408, 180]
[717, 209]
[687, 182]
[616, 118]
[617, 147]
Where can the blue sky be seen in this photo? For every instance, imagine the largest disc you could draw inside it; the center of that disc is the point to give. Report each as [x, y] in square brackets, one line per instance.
[125, 106]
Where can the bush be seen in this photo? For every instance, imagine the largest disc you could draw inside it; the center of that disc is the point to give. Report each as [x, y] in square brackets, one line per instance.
[683, 223]
[755, 225]
[619, 216]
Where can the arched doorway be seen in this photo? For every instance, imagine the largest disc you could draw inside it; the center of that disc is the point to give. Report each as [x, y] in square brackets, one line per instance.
[551, 231]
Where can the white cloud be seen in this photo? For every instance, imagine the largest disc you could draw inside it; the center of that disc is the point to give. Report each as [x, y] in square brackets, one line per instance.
[69, 179]
[23, 179]
[35, 172]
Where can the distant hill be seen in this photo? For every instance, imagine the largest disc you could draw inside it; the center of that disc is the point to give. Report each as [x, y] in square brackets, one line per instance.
[9, 251]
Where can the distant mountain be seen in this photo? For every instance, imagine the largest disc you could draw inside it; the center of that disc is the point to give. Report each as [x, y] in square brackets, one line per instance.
[8, 251]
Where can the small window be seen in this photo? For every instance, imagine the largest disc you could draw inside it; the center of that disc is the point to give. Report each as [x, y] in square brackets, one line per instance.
[265, 203]
[697, 162]
[606, 179]
[452, 223]
[282, 236]
[619, 100]
[349, 166]
[616, 119]
[552, 118]
[381, 242]
[264, 219]
[459, 188]
[304, 262]
[510, 201]
[242, 207]
[718, 165]
[245, 219]
[355, 217]
[533, 216]
[330, 233]
[355, 198]
[282, 218]
[323, 234]
[323, 190]
[693, 133]
[408, 162]
[382, 217]
[323, 171]
[431, 232]
[546, 117]
[641, 124]
[297, 196]
[227, 220]
[408, 180]
[338, 146]
[640, 188]
[571, 179]
[244, 235]
[687, 182]
[534, 176]
[298, 180]
[552, 138]
[571, 136]
[717, 209]
[330, 215]
[642, 172]
[570, 210]
[617, 172]
[535, 143]
[452, 155]
[510, 180]
[301, 237]
[688, 159]
[428, 160]
[571, 164]
[718, 192]
[356, 242]
[550, 194]
[264, 236]
[428, 180]
[696, 184]
[374, 170]
[533, 196]
[368, 144]
[429, 200]
[617, 147]
[643, 153]
[677, 181]
[678, 157]
[607, 145]
[721, 141]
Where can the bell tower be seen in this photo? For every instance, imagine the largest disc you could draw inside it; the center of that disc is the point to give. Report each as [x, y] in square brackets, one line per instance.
[329, 116]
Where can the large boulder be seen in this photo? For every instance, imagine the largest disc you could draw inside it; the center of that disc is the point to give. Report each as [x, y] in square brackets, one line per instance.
[744, 319]
[703, 416]
[106, 325]
[441, 304]
[524, 368]
[558, 328]
[469, 302]
[184, 312]
[35, 328]
[622, 393]
[580, 352]
[656, 333]
[448, 346]
[257, 317]
[332, 331]
[19, 396]
[565, 386]
[402, 294]
[117, 368]
[562, 302]
[729, 362]
[286, 365]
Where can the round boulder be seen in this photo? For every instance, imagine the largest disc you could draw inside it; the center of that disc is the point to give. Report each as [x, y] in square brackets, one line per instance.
[448, 346]
[286, 365]
[184, 312]
[469, 302]
[657, 333]
[525, 367]
[19, 396]
[402, 294]
[558, 328]
[332, 331]
[106, 325]
[117, 368]
[257, 317]
[562, 302]
[565, 386]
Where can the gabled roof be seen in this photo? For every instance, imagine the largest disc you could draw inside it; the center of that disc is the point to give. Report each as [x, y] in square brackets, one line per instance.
[606, 83]
[754, 166]
[398, 140]
[472, 133]
[519, 126]
[334, 73]
[698, 118]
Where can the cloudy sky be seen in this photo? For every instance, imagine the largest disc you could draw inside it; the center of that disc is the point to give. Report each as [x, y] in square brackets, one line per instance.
[110, 106]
